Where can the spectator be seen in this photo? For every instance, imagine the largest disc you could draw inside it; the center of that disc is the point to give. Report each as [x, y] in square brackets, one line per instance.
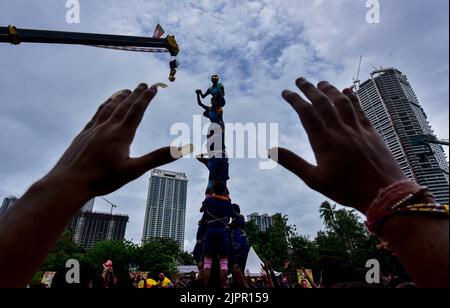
[164, 282]
[150, 282]
[335, 271]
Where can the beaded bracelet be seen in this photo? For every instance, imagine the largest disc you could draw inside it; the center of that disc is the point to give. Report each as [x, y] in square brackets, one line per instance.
[374, 225]
[397, 198]
[394, 195]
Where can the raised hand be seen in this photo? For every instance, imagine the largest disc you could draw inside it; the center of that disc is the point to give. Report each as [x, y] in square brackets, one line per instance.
[353, 163]
[96, 163]
[98, 160]
[240, 278]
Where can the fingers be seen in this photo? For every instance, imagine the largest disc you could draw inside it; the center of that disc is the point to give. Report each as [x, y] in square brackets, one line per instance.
[136, 110]
[124, 106]
[295, 164]
[182, 151]
[140, 165]
[319, 100]
[311, 121]
[95, 117]
[341, 102]
[109, 108]
[362, 118]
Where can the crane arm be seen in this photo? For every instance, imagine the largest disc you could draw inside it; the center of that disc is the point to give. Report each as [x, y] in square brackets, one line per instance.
[109, 202]
[16, 36]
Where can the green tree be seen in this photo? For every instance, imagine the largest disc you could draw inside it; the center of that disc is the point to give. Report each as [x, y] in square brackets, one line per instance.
[327, 214]
[159, 255]
[121, 253]
[344, 233]
[304, 251]
[278, 241]
[273, 244]
[345, 236]
[330, 244]
[257, 239]
[350, 230]
[186, 258]
[64, 249]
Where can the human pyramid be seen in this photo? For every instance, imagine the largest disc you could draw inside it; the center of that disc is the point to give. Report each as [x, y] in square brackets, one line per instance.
[221, 239]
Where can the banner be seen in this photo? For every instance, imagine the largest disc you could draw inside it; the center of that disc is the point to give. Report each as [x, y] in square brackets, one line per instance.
[47, 278]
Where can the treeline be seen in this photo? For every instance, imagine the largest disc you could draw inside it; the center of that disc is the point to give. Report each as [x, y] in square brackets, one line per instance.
[156, 256]
[344, 236]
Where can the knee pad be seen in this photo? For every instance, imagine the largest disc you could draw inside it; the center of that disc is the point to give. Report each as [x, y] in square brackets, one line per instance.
[208, 263]
[224, 264]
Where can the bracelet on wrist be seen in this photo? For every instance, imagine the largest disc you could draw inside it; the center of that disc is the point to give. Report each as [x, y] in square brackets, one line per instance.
[400, 197]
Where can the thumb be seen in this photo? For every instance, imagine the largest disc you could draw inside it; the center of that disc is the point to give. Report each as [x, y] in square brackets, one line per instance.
[159, 157]
[296, 164]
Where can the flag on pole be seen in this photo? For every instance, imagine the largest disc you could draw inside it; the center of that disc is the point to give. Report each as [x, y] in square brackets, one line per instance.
[159, 31]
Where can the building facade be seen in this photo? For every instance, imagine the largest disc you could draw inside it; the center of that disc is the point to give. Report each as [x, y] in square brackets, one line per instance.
[88, 206]
[165, 212]
[7, 203]
[389, 101]
[263, 222]
[92, 227]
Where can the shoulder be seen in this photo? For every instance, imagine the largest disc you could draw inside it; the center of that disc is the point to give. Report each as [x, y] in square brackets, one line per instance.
[207, 200]
[221, 201]
[227, 203]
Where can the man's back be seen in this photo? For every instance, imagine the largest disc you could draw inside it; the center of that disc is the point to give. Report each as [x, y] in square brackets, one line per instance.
[218, 210]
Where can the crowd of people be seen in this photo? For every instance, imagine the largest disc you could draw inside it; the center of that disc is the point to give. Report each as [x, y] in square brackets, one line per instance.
[353, 167]
[332, 272]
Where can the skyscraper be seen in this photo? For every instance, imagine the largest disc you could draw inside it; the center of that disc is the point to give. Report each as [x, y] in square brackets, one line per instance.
[166, 206]
[88, 206]
[7, 203]
[263, 222]
[91, 227]
[392, 107]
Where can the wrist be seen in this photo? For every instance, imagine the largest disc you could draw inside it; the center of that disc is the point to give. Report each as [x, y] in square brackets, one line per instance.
[397, 193]
[72, 188]
[401, 209]
[403, 221]
[382, 184]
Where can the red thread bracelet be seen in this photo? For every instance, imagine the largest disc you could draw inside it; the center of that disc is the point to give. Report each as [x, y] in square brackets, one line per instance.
[389, 199]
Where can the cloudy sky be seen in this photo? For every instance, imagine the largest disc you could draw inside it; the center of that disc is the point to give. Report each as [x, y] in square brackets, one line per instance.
[48, 92]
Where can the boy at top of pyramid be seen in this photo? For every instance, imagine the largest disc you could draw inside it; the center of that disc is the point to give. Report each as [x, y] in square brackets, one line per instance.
[217, 91]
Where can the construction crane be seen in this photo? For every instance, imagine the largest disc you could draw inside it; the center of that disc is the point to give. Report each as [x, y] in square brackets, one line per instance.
[356, 80]
[439, 141]
[16, 36]
[110, 203]
[425, 141]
